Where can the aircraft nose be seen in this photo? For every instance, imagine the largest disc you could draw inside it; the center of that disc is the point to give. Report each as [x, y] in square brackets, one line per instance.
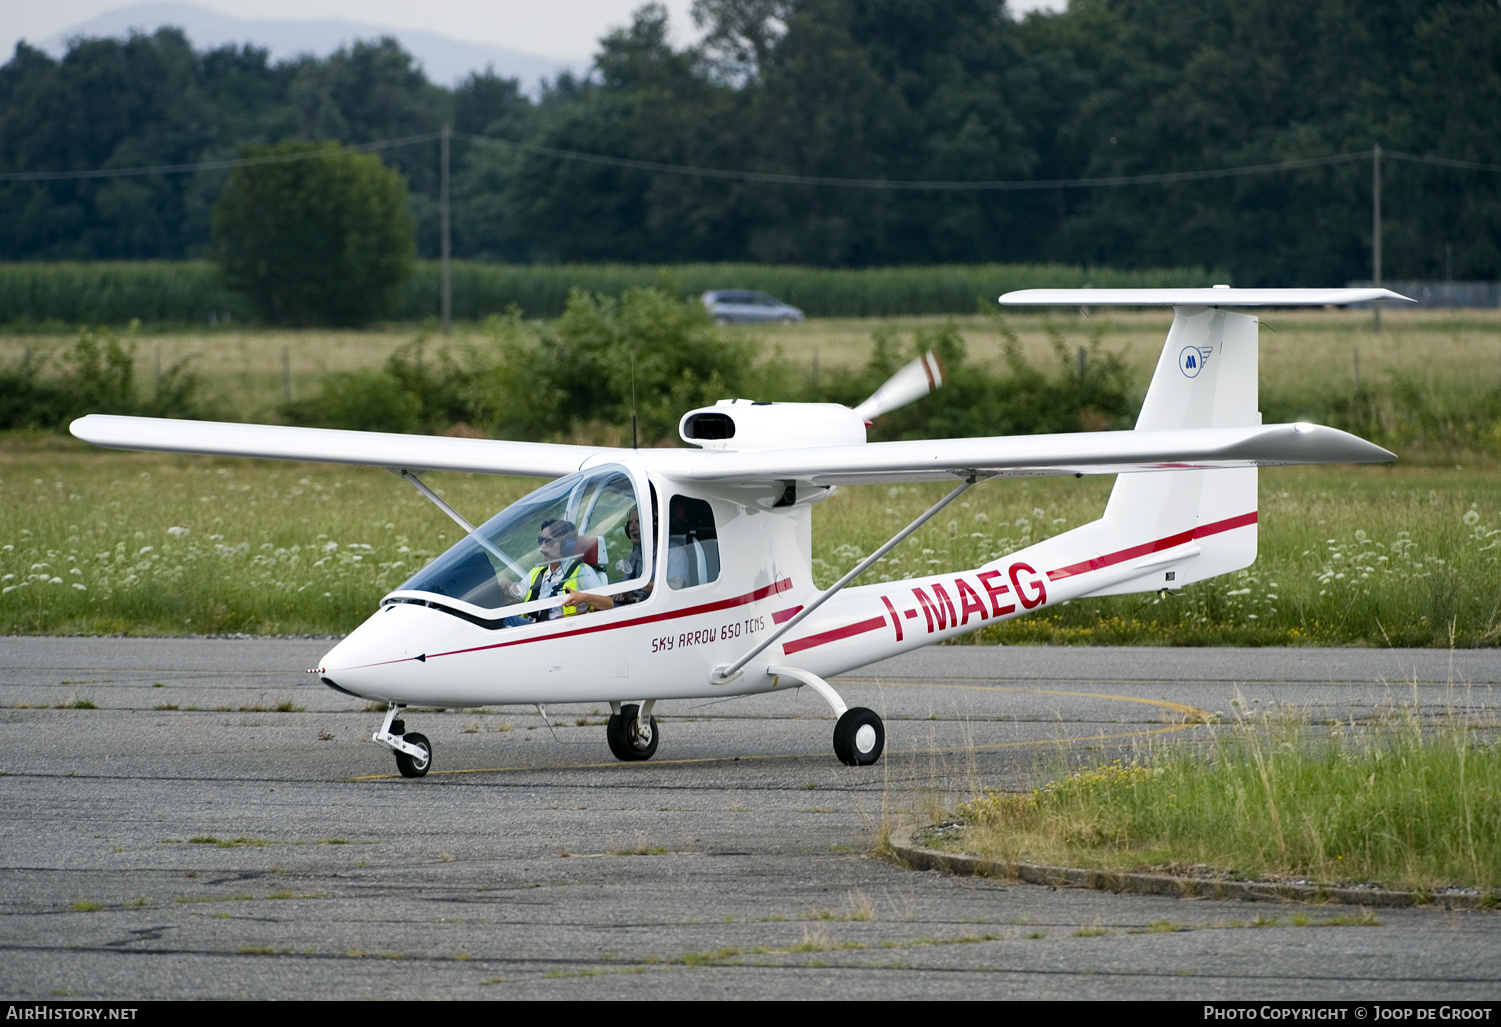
[383, 657]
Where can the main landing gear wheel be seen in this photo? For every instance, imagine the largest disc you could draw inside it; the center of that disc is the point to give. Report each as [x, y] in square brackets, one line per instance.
[413, 766]
[629, 739]
[859, 737]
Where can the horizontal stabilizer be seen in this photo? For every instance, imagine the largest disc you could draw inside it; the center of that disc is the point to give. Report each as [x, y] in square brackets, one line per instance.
[1218, 296]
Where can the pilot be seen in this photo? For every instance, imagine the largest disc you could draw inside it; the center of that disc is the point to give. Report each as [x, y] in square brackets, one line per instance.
[630, 569]
[563, 572]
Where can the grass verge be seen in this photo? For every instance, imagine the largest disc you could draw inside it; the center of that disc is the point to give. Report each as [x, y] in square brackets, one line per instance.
[1403, 803]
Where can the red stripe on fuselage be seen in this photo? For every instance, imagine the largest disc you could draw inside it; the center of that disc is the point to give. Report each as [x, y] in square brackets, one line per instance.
[764, 592]
[834, 635]
[1147, 548]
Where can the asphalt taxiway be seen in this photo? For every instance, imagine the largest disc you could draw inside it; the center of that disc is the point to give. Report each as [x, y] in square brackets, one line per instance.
[199, 818]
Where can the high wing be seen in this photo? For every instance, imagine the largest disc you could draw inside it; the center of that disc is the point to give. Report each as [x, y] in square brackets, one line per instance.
[869, 463]
[327, 445]
[1024, 455]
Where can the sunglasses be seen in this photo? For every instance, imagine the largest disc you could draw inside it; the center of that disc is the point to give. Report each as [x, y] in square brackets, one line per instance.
[543, 540]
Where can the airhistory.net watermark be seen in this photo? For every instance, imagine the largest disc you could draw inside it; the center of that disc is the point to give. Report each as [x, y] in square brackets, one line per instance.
[47, 1011]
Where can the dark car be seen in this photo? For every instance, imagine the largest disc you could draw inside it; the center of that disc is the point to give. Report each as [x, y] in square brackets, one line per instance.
[746, 305]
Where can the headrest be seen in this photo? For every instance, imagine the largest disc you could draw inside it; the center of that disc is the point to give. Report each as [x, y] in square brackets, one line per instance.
[588, 548]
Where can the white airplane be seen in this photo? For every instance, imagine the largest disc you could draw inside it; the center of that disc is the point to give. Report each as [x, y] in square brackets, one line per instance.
[717, 597]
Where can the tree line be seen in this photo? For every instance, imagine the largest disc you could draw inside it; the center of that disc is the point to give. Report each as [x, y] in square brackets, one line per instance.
[945, 90]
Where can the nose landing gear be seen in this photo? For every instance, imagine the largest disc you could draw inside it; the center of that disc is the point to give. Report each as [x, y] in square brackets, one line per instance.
[414, 753]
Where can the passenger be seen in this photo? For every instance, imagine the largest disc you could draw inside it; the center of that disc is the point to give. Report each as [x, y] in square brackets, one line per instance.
[630, 569]
[562, 573]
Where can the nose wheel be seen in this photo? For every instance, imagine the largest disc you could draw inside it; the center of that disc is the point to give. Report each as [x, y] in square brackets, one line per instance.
[412, 765]
[414, 753]
[632, 736]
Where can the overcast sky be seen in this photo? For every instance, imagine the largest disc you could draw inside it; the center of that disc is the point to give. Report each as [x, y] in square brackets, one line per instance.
[566, 29]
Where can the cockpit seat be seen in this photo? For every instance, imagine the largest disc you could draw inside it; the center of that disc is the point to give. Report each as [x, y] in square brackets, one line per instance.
[588, 549]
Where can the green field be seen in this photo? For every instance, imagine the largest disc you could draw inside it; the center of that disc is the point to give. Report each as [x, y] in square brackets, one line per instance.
[98, 541]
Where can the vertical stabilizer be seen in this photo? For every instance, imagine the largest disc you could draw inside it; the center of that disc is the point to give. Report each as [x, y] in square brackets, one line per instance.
[1206, 377]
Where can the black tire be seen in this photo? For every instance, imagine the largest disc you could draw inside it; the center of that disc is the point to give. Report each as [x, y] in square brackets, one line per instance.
[859, 737]
[626, 740]
[411, 766]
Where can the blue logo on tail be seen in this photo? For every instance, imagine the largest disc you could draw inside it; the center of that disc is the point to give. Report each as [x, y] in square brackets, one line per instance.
[1192, 360]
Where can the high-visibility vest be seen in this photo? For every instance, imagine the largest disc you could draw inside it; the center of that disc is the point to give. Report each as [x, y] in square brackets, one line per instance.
[571, 578]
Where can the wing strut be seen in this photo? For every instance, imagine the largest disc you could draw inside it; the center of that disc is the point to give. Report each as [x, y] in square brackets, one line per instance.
[421, 486]
[723, 675]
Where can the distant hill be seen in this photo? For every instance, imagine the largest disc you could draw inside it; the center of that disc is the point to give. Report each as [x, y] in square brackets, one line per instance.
[445, 60]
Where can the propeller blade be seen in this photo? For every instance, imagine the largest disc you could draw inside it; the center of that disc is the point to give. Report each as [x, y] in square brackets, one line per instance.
[912, 382]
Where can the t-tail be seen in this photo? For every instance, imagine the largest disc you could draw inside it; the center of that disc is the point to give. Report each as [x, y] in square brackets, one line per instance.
[1169, 528]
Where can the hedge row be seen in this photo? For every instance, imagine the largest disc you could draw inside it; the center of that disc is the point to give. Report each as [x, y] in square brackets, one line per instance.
[190, 292]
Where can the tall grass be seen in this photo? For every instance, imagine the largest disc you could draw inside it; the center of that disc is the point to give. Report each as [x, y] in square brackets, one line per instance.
[38, 295]
[1403, 800]
[273, 548]
[106, 542]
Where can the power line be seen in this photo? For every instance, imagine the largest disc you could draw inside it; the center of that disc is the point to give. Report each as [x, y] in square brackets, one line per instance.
[934, 186]
[773, 178]
[214, 165]
[1443, 162]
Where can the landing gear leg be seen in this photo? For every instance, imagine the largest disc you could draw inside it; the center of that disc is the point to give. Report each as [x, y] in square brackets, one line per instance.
[632, 732]
[859, 735]
[414, 753]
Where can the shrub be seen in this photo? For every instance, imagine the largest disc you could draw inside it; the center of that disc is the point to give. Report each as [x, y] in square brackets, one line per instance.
[414, 392]
[95, 376]
[646, 351]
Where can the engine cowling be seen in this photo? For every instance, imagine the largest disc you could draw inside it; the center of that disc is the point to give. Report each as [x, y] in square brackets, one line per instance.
[742, 424]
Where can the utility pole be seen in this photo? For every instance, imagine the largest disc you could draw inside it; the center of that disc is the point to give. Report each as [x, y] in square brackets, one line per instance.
[447, 240]
[1376, 232]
